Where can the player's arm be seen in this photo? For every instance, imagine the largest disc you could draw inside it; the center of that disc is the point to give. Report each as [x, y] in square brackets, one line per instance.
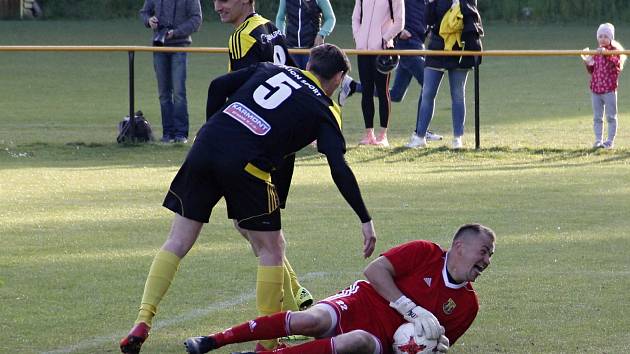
[224, 86]
[380, 273]
[347, 184]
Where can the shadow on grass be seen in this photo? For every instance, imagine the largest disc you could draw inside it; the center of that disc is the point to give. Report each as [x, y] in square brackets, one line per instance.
[80, 154]
[515, 159]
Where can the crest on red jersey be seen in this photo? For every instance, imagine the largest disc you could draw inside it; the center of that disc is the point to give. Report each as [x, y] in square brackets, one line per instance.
[449, 306]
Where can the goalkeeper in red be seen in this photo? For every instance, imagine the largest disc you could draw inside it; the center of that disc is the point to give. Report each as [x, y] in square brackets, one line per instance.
[417, 281]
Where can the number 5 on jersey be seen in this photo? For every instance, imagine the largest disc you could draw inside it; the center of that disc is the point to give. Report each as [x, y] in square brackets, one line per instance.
[283, 86]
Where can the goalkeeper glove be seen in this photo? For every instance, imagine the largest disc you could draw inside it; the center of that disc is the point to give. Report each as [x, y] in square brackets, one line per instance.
[423, 320]
[443, 344]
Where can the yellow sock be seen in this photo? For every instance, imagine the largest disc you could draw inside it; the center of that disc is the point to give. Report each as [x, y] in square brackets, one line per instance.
[269, 294]
[160, 276]
[295, 284]
[288, 300]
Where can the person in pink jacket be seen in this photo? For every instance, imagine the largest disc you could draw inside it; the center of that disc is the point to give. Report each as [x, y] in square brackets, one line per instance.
[375, 25]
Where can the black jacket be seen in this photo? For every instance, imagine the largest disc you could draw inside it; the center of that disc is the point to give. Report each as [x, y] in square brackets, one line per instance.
[303, 23]
[471, 34]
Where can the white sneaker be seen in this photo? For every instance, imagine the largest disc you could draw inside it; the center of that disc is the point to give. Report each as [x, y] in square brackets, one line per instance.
[431, 136]
[382, 140]
[345, 90]
[416, 142]
[457, 142]
[598, 144]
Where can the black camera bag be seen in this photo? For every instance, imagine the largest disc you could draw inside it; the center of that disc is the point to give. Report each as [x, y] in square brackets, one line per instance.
[133, 130]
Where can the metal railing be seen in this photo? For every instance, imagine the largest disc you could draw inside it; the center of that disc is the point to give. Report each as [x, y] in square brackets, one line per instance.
[131, 50]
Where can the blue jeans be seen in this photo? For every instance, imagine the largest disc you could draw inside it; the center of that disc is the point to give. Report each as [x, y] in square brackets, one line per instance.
[409, 66]
[170, 70]
[432, 79]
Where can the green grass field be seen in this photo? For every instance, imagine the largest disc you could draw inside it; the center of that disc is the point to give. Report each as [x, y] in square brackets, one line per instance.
[82, 218]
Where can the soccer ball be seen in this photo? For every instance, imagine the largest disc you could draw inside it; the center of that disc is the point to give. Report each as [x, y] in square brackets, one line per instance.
[407, 342]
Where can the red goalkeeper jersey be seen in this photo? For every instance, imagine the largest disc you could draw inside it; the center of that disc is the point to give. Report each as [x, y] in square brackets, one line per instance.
[420, 268]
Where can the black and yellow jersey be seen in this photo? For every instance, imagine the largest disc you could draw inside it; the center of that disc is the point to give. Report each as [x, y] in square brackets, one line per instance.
[277, 109]
[257, 40]
[263, 114]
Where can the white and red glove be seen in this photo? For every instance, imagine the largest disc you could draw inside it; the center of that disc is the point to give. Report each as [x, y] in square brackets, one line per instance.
[423, 320]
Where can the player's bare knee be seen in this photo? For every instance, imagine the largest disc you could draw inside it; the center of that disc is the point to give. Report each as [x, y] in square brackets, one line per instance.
[304, 323]
[269, 245]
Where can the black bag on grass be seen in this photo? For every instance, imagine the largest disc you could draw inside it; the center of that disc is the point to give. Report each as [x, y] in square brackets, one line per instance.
[141, 132]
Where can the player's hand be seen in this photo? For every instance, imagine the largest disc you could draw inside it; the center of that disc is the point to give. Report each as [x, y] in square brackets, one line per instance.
[369, 238]
[169, 34]
[443, 344]
[424, 321]
[153, 22]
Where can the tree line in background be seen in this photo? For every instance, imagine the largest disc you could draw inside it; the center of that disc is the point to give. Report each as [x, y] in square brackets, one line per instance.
[538, 11]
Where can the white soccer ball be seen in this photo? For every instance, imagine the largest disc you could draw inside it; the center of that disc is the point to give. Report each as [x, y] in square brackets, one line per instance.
[407, 342]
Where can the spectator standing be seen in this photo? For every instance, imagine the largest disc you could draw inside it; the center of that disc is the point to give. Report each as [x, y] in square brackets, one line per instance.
[172, 23]
[417, 281]
[605, 70]
[453, 25]
[301, 23]
[411, 38]
[375, 24]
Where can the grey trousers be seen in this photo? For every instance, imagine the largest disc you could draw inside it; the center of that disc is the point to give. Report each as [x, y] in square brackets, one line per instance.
[604, 102]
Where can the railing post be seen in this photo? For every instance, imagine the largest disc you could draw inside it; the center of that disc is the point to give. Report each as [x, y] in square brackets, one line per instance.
[477, 138]
[132, 115]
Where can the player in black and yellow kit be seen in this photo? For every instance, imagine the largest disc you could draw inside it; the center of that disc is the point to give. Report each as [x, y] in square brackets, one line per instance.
[256, 118]
[255, 40]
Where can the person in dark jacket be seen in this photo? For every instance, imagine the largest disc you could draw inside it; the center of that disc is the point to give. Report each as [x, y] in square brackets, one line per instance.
[412, 37]
[466, 36]
[172, 23]
[301, 22]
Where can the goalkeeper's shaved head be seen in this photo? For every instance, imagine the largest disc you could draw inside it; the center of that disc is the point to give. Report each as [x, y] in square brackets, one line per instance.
[471, 231]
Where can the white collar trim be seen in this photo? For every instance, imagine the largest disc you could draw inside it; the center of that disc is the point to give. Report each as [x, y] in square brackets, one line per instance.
[445, 277]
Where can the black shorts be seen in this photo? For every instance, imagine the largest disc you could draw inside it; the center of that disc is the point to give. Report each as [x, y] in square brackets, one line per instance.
[205, 177]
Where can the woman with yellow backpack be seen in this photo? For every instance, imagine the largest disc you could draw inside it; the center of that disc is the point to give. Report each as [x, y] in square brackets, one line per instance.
[452, 25]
